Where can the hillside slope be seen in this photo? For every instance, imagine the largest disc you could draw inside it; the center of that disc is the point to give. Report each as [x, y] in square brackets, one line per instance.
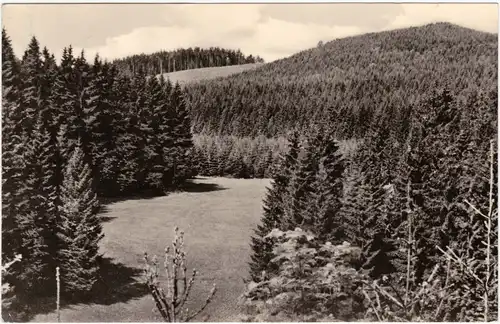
[209, 73]
[349, 82]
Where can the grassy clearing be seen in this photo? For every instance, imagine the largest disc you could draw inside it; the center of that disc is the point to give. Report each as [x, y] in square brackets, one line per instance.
[194, 75]
[218, 216]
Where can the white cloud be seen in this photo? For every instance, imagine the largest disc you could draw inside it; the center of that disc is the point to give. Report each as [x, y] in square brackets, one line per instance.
[119, 30]
[478, 16]
[143, 40]
[218, 18]
[277, 38]
[271, 39]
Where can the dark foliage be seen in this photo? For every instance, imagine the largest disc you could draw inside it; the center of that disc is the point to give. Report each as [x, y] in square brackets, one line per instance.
[238, 157]
[70, 132]
[347, 83]
[421, 160]
[183, 59]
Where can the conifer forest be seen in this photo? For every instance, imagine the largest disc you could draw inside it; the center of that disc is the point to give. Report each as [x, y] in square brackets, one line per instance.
[352, 181]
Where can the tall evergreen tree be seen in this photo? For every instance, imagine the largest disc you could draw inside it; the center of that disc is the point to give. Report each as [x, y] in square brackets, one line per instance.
[65, 100]
[41, 168]
[22, 224]
[80, 78]
[273, 209]
[299, 189]
[32, 81]
[128, 138]
[354, 208]
[428, 198]
[12, 145]
[183, 138]
[99, 113]
[376, 161]
[29, 276]
[78, 228]
[159, 132]
[10, 73]
[323, 213]
[145, 141]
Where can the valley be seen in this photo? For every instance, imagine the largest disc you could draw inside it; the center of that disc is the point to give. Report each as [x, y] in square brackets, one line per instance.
[361, 169]
[218, 216]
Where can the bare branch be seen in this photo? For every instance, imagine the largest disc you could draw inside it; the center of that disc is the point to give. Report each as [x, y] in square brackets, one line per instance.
[170, 303]
[207, 301]
[372, 305]
[475, 209]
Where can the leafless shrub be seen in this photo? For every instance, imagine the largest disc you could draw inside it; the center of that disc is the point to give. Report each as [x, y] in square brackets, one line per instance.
[170, 302]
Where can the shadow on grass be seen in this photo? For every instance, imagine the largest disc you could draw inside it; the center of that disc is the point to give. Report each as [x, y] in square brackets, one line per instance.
[139, 196]
[190, 186]
[116, 283]
[105, 219]
[103, 210]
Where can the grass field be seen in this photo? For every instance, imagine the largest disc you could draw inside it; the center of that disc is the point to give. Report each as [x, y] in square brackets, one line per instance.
[194, 75]
[218, 216]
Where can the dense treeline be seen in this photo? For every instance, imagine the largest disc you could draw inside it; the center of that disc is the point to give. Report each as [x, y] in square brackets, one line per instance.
[72, 133]
[404, 192]
[183, 59]
[244, 157]
[347, 82]
[238, 157]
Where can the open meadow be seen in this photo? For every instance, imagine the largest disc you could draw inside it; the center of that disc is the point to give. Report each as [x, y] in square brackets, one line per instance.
[217, 215]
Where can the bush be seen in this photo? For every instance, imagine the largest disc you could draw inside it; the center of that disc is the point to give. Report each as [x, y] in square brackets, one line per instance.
[315, 281]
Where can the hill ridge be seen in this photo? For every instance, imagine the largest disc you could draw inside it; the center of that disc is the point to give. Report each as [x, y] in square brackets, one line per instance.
[356, 78]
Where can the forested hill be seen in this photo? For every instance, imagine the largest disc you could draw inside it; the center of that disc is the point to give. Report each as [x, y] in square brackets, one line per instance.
[350, 82]
[183, 59]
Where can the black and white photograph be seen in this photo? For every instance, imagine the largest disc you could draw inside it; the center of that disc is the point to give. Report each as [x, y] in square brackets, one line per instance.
[249, 162]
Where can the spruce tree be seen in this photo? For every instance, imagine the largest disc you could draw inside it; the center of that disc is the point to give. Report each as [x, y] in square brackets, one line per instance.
[23, 223]
[323, 212]
[78, 227]
[268, 163]
[99, 121]
[158, 130]
[128, 138]
[354, 208]
[225, 164]
[299, 190]
[65, 101]
[81, 75]
[10, 74]
[12, 121]
[273, 209]
[44, 201]
[212, 160]
[376, 161]
[429, 200]
[183, 138]
[49, 73]
[31, 87]
[29, 276]
[146, 141]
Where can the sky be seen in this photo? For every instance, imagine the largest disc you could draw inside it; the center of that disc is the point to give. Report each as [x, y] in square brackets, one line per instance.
[271, 31]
